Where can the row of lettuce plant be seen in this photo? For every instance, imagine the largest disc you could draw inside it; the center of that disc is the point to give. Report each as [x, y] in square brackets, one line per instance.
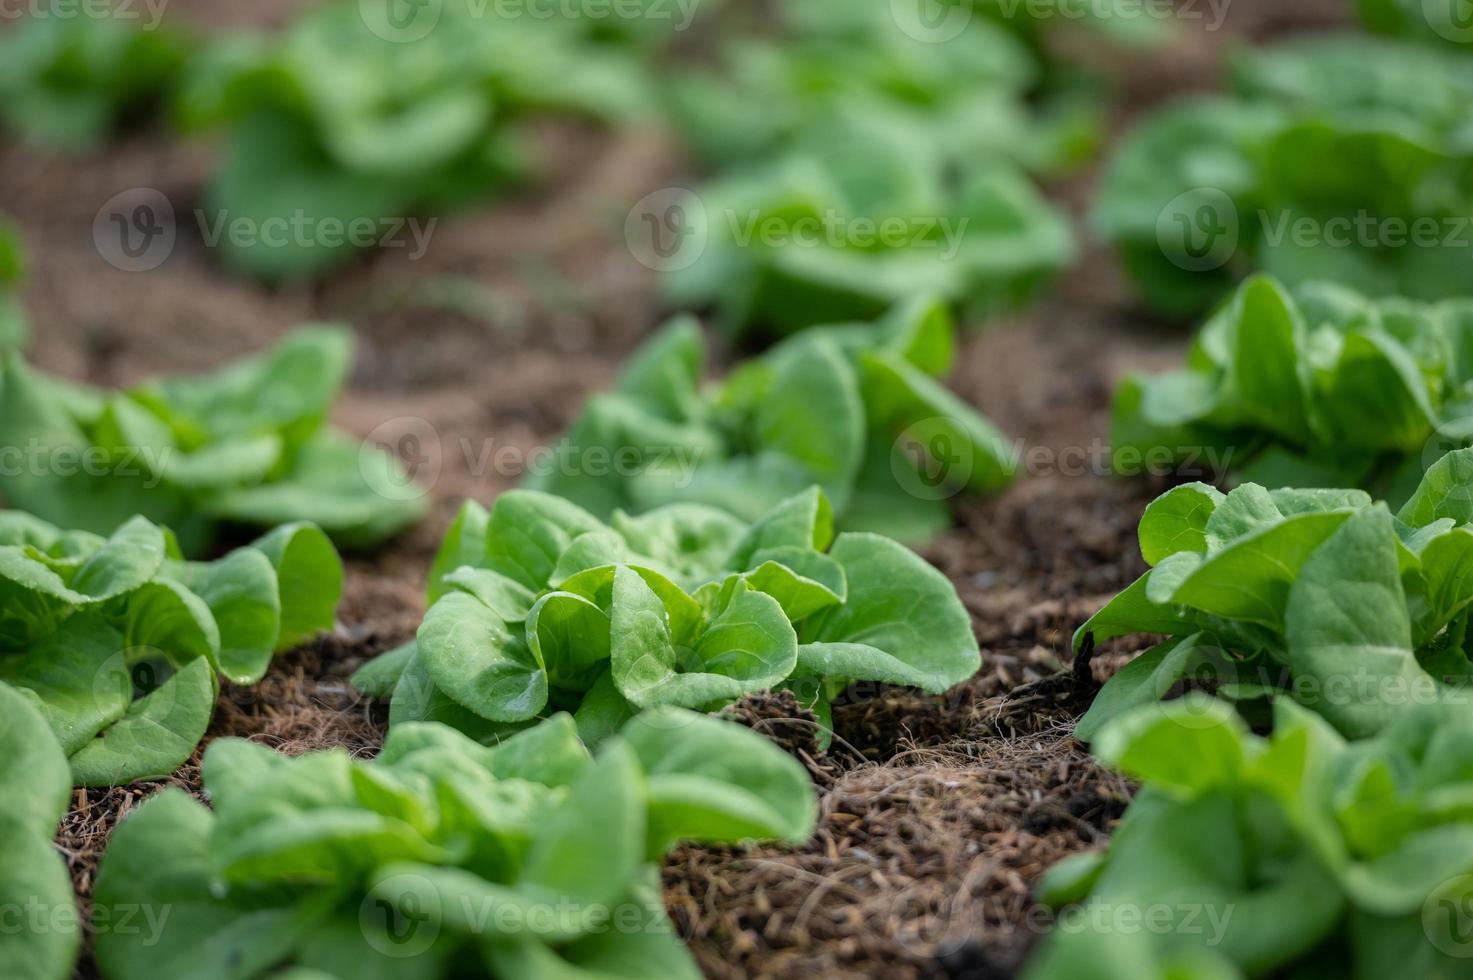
[349, 116]
[550, 629]
[120, 642]
[1339, 157]
[862, 159]
[249, 444]
[1339, 844]
[857, 409]
[1315, 386]
[859, 119]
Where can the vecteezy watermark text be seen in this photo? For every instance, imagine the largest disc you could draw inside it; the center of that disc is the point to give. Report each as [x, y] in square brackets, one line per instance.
[301, 230]
[137, 229]
[150, 13]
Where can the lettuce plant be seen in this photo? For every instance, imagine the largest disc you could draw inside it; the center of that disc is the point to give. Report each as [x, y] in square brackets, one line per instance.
[765, 92]
[860, 214]
[441, 858]
[1319, 595]
[34, 793]
[65, 82]
[962, 74]
[249, 444]
[1299, 854]
[354, 118]
[539, 607]
[1207, 190]
[1318, 387]
[855, 408]
[119, 641]
[13, 329]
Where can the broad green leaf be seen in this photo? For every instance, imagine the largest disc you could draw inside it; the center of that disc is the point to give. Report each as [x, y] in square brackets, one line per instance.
[714, 782]
[1250, 578]
[902, 622]
[569, 636]
[158, 734]
[1177, 521]
[1145, 680]
[464, 544]
[1188, 746]
[528, 532]
[160, 857]
[475, 659]
[1446, 491]
[80, 677]
[309, 578]
[1348, 629]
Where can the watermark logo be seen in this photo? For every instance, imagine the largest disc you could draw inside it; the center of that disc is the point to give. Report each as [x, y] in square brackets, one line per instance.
[1199, 230]
[931, 21]
[416, 444]
[135, 230]
[1450, 19]
[668, 230]
[1447, 917]
[134, 674]
[932, 460]
[400, 918]
[400, 21]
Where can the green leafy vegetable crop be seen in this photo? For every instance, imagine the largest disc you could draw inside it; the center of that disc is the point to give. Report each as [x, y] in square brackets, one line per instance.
[13, 329]
[118, 641]
[540, 607]
[442, 858]
[1319, 387]
[1294, 855]
[1343, 158]
[67, 81]
[853, 408]
[965, 94]
[35, 791]
[352, 119]
[249, 444]
[856, 220]
[1319, 595]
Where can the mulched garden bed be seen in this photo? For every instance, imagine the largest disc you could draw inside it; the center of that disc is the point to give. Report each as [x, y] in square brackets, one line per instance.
[938, 814]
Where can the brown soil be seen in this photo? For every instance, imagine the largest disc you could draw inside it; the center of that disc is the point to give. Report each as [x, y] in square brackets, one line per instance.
[938, 814]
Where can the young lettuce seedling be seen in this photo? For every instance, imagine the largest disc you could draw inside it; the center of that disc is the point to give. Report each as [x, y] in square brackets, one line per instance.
[67, 81]
[442, 857]
[540, 607]
[118, 642]
[1278, 856]
[854, 408]
[1209, 190]
[355, 120]
[1318, 387]
[249, 444]
[1316, 595]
